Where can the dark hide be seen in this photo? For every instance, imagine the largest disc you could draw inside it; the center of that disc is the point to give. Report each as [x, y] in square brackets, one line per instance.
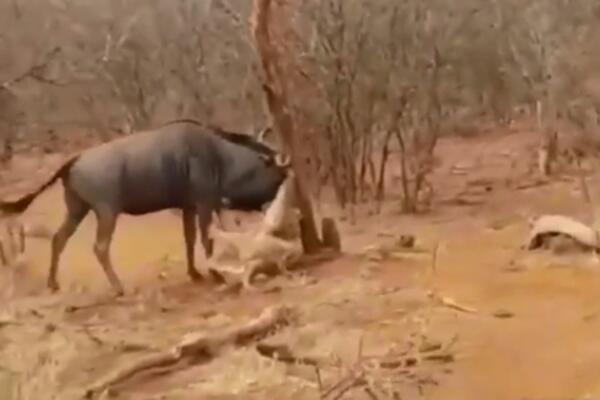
[183, 165]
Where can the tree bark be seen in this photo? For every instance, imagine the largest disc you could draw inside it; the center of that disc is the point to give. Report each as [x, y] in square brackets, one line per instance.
[277, 101]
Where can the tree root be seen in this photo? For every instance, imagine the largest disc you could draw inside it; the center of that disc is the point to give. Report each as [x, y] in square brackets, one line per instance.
[198, 348]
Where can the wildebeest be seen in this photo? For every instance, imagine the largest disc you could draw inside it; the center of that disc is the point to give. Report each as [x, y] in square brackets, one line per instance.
[184, 165]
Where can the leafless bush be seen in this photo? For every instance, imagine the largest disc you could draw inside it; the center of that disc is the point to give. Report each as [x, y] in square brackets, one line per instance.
[372, 83]
[415, 71]
[383, 73]
[126, 65]
[10, 119]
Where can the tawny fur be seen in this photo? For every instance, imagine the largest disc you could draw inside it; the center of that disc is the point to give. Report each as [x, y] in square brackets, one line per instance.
[273, 244]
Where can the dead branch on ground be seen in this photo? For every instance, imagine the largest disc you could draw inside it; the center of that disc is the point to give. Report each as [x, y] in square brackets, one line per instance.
[367, 372]
[450, 303]
[197, 348]
[549, 225]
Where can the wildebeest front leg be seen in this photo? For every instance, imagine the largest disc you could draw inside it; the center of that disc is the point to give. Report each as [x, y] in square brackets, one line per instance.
[107, 221]
[219, 220]
[189, 234]
[204, 220]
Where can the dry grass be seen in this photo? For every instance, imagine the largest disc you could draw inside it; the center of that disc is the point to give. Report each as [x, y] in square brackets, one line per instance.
[53, 356]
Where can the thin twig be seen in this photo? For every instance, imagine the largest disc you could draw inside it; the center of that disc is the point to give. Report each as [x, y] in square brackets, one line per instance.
[434, 258]
[587, 197]
[319, 379]
[359, 353]
[356, 382]
[334, 387]
[371, 394]
[36, 71]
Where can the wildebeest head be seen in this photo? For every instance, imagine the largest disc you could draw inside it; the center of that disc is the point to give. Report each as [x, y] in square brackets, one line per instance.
[254, 176]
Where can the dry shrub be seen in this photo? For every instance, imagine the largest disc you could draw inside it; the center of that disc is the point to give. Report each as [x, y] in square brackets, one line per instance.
[361, 75]
[126, 65]
[435, 69]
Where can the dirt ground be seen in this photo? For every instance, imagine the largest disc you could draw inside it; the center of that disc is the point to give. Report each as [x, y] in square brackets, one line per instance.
[529, 328]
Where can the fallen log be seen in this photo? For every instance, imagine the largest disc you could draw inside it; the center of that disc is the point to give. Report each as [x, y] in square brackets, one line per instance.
[197, 348]
[552, 225]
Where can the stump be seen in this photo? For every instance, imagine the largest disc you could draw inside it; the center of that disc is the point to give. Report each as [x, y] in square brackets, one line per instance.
[330, 235]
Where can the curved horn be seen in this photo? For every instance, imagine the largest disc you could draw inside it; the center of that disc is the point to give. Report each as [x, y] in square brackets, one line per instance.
[262, 134]
[283, 161]
[265, 157]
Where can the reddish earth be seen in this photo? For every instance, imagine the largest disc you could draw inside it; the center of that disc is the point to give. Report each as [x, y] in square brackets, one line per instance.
[547, 347]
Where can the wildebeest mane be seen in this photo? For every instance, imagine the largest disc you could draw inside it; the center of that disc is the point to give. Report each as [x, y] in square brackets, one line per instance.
[241, 139]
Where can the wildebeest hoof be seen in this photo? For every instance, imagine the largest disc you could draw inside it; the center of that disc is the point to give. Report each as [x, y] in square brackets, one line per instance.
[53, 286]
[195, 276]
[118, 292]
[216, 277]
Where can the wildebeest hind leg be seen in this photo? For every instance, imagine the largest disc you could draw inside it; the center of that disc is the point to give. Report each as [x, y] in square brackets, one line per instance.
[189, 234]
[204, 220]
[107, 221]
[76, 212]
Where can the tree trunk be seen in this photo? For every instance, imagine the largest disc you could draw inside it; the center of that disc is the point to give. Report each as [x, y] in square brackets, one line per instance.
[277, 100]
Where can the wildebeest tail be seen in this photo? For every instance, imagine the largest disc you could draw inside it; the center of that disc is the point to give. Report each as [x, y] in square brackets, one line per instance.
[20, 205]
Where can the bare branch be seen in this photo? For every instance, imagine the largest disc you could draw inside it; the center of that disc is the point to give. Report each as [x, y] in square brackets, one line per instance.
[36, 71]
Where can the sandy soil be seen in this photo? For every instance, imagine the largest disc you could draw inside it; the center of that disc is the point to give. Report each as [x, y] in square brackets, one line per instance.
[535, 332]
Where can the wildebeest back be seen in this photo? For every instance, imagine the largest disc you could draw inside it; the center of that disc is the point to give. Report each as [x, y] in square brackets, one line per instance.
[170, 167]
[146, 171]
